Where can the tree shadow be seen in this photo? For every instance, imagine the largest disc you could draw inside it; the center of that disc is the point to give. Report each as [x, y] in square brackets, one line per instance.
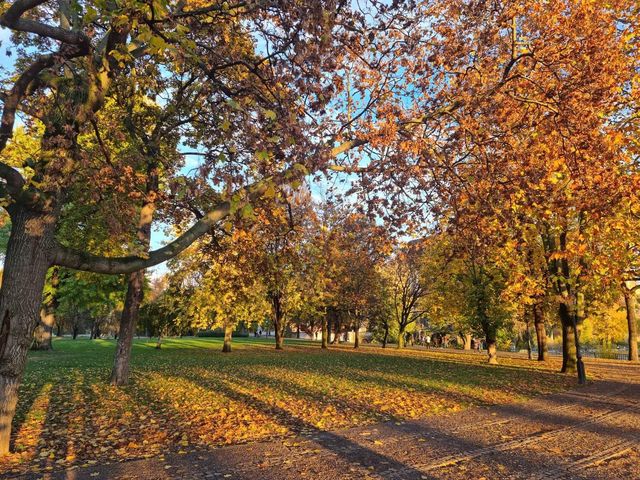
[349, 447]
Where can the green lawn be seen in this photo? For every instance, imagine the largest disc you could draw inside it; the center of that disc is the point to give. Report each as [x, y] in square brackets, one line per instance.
[189, 395]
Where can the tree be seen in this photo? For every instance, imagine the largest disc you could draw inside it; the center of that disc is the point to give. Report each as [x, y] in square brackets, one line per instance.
[359, 249]
[222, 285]
[483, 305]
[408, 288]
[63, 92]
[89, 300]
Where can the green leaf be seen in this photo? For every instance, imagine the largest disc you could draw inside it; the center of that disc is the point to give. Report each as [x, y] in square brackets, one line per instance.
[247, 211]
[262, 155]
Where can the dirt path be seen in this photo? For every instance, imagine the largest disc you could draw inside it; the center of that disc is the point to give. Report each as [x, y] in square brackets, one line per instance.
[591, 432]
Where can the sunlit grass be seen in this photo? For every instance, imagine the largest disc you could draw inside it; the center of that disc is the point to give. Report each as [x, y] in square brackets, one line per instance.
[189, 395]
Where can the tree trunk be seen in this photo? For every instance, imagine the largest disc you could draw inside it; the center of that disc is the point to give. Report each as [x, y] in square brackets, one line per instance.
[385, 339]
[356, 342]
[25, 269]
[58, 329]
[569, 359]
[42, 336]
[337, 326]
[492, 351]
[541, 333]
[325, 332]
[528, 312]
[401, 337]
[278, 321]
[466, 341]
[159, 342]
[228, 332]
[128, 320]
[135, 286]
[630, 302]
[279, 340]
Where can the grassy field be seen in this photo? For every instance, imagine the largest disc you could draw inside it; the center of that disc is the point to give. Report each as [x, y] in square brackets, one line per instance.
[189, 395]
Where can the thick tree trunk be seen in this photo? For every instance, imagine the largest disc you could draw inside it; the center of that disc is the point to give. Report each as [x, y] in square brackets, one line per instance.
[25, 270]
[159, 342]
[541, 333]
[228, 332]
[356, 342]
[632, 322]
[492, 350]
[385, 339]
[128, 320]
[569, 359]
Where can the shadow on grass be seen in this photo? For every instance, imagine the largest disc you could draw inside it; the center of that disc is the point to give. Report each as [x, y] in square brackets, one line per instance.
[385, 463]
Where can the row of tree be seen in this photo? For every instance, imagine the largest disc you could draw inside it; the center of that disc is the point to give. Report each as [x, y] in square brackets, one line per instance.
[510, 125]
[328, 269]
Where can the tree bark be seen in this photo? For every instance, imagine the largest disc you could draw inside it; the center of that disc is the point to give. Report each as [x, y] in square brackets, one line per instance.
[569, 359]
[401, 338]
[279, 339]
[630, 302]
[541, 333]
[528, 312]
[228, 332]
[128, 320]
[385, 339]
[42, 336]
[356, 342]
[337, 325]
[492, 350]
[466, 341]
[25, 269]
[278, 323]
[159, 342]
[325, 332]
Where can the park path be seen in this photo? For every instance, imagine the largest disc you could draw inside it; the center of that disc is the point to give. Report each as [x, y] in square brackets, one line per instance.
[591, 432]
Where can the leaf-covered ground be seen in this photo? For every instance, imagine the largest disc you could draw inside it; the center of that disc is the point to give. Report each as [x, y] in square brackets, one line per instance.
[189, 395]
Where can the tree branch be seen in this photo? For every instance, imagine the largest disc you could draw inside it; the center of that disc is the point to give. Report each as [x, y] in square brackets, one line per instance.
[12, 19]
[67, 257]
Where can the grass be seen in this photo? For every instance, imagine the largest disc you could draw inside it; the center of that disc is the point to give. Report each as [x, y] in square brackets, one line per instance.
[189, 395]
